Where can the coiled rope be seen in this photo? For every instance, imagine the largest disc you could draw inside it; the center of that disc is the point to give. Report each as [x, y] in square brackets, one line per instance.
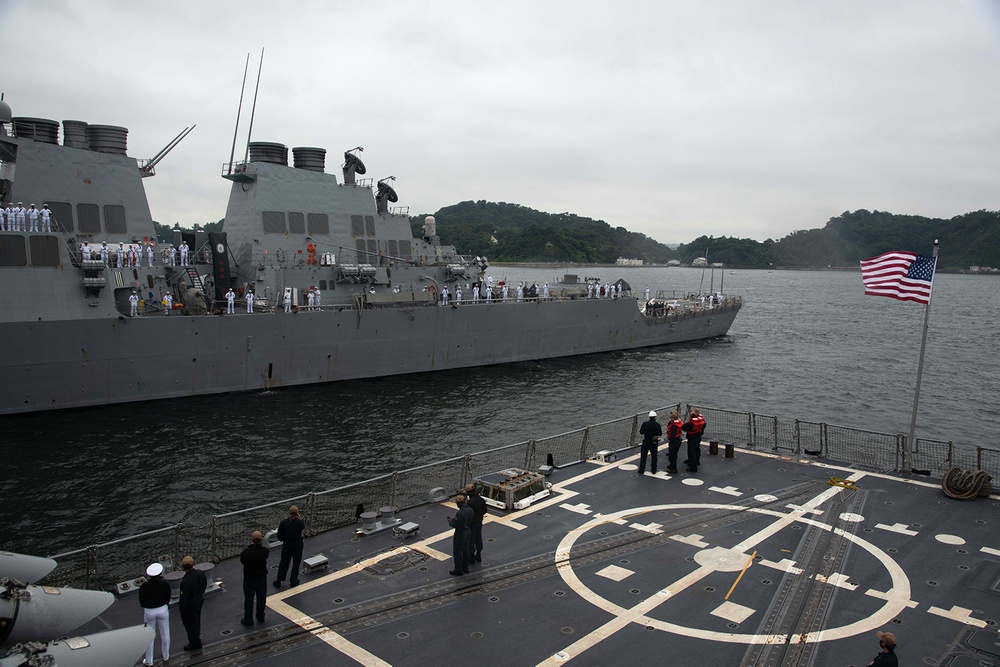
[963, 484]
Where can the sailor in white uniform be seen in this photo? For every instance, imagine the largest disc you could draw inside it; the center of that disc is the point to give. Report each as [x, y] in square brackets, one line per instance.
[505, 292]
[120, 255]
[475, 293]
[19, 214]
[3, 219]
[316, 295]
[489, 282]
[230, 302]
[545, 291]
[311, 299]
[520, 291]
[647, 294]
[249, 298]
[171, 255]
[132, 256]
[619, 290]
[149, 255]
[184, 253]
[85, 251]
[134, 303]
[444, 295]
[168, 303]
[288, 299]
[45, 215]
[32, 219]
[458, 294]
[105, 252]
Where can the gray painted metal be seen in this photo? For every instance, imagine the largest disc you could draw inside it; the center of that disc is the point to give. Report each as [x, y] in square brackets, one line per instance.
[71, 343]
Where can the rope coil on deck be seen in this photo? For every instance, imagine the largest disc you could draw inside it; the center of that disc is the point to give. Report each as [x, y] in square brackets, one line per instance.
[963, 484]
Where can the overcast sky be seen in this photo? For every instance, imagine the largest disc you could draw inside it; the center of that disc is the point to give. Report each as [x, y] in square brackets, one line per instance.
[675, 119]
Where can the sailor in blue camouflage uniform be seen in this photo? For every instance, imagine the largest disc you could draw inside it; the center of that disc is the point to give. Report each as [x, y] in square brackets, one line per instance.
[462, 523]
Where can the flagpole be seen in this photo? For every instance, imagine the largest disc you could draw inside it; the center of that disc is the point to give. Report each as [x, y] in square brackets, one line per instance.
[910, 442]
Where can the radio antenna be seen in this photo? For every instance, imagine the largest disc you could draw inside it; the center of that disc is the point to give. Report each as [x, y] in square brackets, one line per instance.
[239, 111]
[253, 109]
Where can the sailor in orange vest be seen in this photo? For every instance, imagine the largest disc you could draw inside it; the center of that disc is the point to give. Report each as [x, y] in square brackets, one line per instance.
[675, 432]
[694, 427]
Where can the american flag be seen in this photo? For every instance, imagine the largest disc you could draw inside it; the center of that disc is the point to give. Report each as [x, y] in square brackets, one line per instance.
[906, 276]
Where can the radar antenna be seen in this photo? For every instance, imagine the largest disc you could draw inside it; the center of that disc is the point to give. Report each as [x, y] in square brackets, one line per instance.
[353, 165]
[385, 193]
[148, 168]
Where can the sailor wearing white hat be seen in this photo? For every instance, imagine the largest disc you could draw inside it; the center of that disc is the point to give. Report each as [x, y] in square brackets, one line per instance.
[85, 250]
[316, 293]
[154, 596]
[120, 255]
[311, 298]
[651, 432]
[184, 253]
[105, 252]
[45, 215]
[168, 303]
[249, 299]
[230, 302]
[149, 254]
[19, 214]
[134, 302]
[32, 219]
[171, 255]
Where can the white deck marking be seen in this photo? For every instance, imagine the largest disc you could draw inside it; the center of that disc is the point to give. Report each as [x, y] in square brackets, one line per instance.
[325, 634]
[692, 481]
[785, 565]
[900, 528]
[728, 490]
[960, 614]
[897, 597]
[614, 573]
[579, 508]
[802, 509]
[851, 517]
[990, 551]
[730, 611]
[945, 538]
[652, 528]
[885, 596]
[693, 539]
[765, 498]
[838, 580]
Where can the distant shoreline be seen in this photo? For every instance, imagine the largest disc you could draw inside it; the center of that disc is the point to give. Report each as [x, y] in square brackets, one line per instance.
[567, 266]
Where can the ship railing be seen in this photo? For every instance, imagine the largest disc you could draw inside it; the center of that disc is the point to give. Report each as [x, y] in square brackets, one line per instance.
[102, 566]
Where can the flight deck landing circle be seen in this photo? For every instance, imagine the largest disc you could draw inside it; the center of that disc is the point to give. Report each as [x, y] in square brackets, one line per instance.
[722, 559]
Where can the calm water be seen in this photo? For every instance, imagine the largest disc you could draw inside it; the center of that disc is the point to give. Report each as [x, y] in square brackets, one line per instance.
[806, 345]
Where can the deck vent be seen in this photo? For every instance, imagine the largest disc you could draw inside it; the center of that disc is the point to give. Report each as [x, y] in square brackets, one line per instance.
[38, 129]
[108, 139]
[310, 159]
[266, 151]
[75, 134]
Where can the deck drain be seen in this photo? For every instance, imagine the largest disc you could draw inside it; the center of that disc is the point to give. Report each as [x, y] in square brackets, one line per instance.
[892, 551]
[650, 627]
[737, 532]
[915, 525]
[422, 569]
[689, 559]
[547, 537]
[888, 502]
[477, 635]
[766, 582]
[603, 533]
[868, 530]
[963, 567]
[733, 625]
[961, 551]
[225, 632]
[752, 488]
[493, 598]
[897, 621]
[942, 502]
[423, 516]
[990, 622]
[402, 635]
[567, 631]
[980, 521]
[634, 591]
[709, 588]
[491, 539]
[624, 561]
[796, 526]
[932, 583]
[559, 593]
[338, 600]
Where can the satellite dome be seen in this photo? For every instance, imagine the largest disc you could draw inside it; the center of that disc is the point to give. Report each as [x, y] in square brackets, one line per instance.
[6, 115]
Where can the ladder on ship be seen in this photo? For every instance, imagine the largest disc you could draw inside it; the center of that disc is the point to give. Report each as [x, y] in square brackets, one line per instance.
[194, 278]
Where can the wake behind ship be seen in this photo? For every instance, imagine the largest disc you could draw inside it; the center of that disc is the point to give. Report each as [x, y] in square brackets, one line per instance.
[313, 279]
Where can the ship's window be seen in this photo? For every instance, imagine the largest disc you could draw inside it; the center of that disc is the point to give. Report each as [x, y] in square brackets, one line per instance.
[296, 223]
[404, 250]
[114, 219]
[322, 284]
[62, 215]
[393, 249]
[372, 251]
[12, 251]
[44, 250]
[319, 223]
[370, 225]
[274, 222]
[357, 225]
[89, 217]
[362, 253]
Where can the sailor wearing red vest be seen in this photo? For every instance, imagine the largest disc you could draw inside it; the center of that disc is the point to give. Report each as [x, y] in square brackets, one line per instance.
[694, 427]
[675, 432]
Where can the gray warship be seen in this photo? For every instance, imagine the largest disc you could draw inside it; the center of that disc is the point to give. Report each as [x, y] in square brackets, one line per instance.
[289, 230]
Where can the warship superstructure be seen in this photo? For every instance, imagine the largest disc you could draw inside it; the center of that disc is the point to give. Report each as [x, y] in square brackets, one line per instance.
[72, 340]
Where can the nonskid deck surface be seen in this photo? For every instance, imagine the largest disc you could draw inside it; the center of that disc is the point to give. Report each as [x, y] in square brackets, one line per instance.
[754, 560]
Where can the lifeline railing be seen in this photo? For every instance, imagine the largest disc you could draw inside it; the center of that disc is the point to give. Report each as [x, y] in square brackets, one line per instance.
[101, 566]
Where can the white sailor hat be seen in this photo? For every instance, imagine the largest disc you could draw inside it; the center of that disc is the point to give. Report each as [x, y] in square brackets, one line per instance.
[652, 413]
[154, 570]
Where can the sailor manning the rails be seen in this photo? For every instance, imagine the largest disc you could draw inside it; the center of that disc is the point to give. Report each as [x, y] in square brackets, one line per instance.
[288, 299]
[120, 255]
[85, 250]
[32, 219]
[105, 252]
[168, 303]
[134, 303]
[184, 253]
[171, 255]
[45, 215]
[249, 301]
[316, 294]
[230, 302]
[310, 299]
[149, 255]
[19, 214]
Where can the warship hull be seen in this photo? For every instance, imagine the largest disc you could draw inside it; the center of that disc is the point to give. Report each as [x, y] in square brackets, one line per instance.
[67, 364]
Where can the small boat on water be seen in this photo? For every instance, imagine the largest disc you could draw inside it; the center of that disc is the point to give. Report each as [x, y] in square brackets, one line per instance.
[314, 278]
